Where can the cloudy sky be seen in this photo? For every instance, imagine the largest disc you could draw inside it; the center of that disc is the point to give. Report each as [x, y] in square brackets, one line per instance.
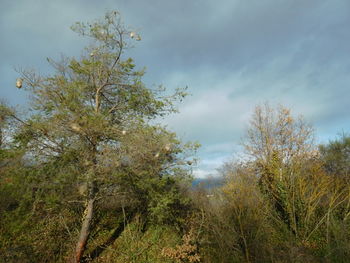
[232, 54]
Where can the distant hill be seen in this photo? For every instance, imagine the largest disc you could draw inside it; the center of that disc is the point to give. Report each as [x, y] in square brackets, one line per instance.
[208, 183]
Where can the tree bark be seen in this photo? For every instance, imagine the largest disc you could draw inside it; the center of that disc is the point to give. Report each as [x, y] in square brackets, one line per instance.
[85, 230]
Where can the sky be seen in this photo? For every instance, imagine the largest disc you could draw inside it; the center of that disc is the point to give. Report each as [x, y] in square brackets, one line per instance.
[232, 54]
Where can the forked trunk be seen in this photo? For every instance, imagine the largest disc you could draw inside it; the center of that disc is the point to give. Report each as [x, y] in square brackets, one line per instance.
[85, 230]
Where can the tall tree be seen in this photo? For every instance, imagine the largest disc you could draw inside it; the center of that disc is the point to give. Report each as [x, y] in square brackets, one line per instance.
[276, 134]
[97, 110]
[336, 157]
[284, 157]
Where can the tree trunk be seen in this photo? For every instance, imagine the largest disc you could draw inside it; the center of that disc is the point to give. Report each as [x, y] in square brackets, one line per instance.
[85, 230]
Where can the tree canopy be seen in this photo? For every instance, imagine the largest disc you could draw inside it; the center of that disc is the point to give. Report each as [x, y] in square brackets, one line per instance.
[91, 119]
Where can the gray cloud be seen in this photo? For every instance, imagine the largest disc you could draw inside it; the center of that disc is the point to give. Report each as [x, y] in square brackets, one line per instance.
[232, 54]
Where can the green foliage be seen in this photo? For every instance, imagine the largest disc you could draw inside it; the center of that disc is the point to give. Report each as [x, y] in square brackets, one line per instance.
[134, 245]
[89, 137]
[336, 157]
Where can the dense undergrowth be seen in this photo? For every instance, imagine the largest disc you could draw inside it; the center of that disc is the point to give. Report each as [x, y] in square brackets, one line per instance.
[261, 211]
